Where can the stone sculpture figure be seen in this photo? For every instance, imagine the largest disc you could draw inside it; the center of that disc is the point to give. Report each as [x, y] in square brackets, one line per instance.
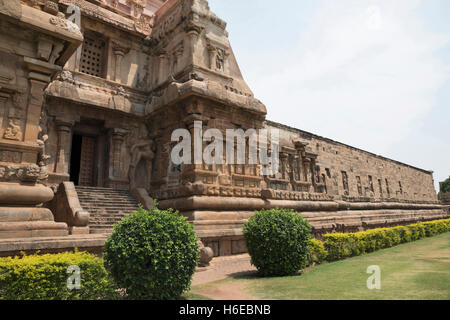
[144, 149]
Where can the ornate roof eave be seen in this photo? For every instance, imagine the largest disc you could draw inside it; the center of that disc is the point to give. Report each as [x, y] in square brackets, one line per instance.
[176, 92]
[104, 15]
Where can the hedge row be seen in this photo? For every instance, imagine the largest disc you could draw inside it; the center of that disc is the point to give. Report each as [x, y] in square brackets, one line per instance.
[342, 245]
[45, 277]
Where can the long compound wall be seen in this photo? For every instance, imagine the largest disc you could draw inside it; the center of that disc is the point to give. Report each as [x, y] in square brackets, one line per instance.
[367, 175]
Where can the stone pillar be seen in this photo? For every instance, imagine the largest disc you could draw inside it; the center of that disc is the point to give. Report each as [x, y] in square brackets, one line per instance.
[299, 163]
[34, 107]
[313, 174]
[177, 56]
[190, 124]
[284, 164]
[3, 98]
[64, 129]
[193, 36]
[119, 52]
[118, 136]
[161, 71]
[212, 57]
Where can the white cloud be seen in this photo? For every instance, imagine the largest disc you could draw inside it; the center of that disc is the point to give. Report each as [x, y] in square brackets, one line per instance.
[364, 73]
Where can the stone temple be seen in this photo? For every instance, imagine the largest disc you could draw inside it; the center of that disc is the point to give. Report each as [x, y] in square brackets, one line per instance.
[90, 93]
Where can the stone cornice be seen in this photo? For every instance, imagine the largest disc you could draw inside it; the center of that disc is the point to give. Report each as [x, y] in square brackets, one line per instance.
[110, 17]
[84, 89]
[212, 90]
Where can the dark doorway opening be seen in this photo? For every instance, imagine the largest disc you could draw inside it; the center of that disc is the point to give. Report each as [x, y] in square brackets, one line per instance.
[75, 159]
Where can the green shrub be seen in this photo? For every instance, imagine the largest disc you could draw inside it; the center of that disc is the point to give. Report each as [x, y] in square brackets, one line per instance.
[277, 241]
[445, 186]
[342, 245]
[153, 254]
[417, 231]
[316, 252]
[45, 277]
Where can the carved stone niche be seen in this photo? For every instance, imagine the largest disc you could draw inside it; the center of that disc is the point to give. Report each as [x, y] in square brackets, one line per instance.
[218, 54]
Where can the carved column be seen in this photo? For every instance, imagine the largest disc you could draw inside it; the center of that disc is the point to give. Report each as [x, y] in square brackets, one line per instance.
[313, 174]
[193, 39]
[3, 98]
[64, 129]
[284, 166]
[177, 57]
[190, 124]
[307, 169]
[212, 56]
[162, 62]
[119, 52]
[299, 166]
[34, 108]
[118, 136]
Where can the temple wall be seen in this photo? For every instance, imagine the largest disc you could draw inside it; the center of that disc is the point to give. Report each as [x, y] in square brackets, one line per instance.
[389, 179]
[133, 68]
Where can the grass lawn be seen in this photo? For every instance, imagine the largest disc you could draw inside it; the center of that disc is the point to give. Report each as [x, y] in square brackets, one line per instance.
[417, 270]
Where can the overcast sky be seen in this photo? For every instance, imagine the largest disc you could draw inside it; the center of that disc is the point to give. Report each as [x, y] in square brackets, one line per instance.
[371, 74]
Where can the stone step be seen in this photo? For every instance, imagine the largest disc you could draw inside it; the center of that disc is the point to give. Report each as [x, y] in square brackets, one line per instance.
[108, 198]
[106, 206]
[111, 208]
[110, 202]
[101, 231]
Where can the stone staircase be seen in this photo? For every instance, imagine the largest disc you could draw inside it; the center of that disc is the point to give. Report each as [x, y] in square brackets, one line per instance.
[106, 206]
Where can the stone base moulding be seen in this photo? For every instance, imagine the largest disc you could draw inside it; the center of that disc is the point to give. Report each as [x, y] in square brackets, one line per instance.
[90, 243]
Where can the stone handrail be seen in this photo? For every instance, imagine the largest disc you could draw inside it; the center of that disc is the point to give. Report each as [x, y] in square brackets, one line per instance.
[66, 207]
[143, 198]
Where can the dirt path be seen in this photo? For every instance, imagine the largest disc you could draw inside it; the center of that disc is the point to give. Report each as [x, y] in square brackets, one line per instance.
[220, 269]
[226, 291]
[224, 267]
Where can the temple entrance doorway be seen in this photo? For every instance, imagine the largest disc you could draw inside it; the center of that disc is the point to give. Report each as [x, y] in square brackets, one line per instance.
[87, 156]
[82, 160]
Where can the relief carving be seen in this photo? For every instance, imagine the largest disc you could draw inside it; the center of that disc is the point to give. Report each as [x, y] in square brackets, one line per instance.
[42, 141]
[141, 165]
[60, 21]
[14, 130]
[10, 156]
[29, 174]
[143, 25]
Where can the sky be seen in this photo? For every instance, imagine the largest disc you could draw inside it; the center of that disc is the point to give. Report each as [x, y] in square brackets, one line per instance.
[374, 74]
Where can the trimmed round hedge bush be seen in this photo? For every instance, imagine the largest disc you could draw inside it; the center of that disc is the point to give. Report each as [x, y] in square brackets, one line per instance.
[152, 254]
[278, 241]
